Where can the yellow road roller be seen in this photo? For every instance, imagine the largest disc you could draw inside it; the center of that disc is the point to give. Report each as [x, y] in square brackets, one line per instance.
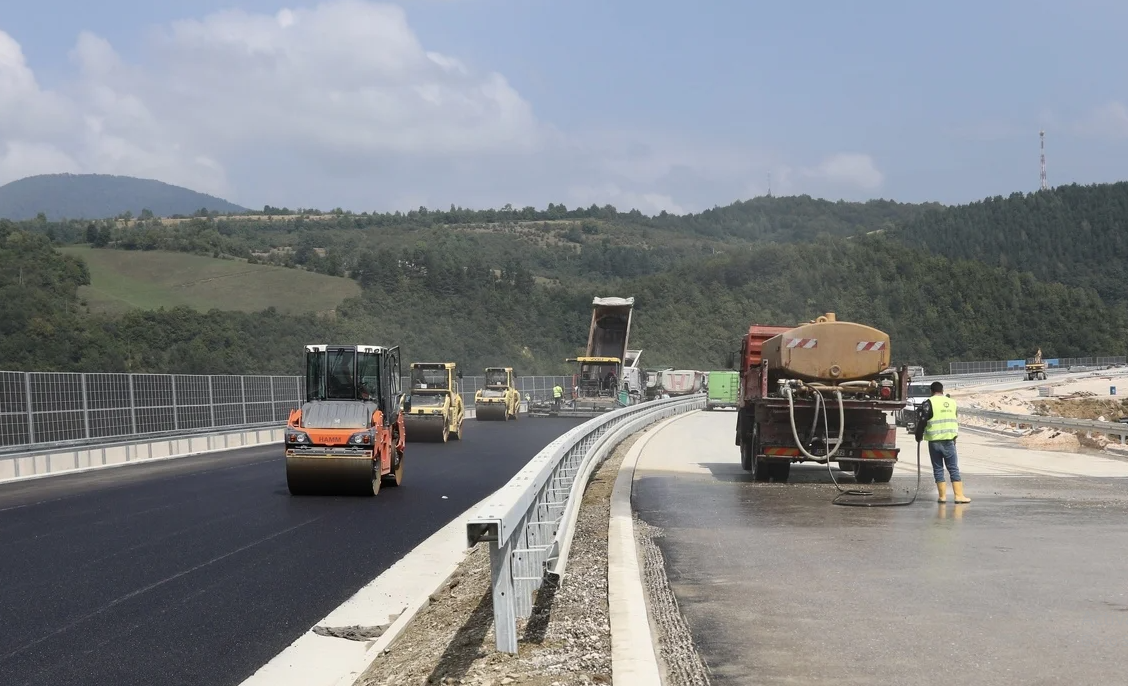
[500, 399]
[433, 410]
[348, 436]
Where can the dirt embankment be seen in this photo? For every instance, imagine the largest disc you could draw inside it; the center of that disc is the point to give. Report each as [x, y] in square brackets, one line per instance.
[566, 642]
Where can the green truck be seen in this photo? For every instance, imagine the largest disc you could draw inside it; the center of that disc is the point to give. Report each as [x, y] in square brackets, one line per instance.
[724, 388]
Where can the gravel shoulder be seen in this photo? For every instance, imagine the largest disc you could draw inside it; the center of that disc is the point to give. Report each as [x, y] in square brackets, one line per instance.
[566, 641]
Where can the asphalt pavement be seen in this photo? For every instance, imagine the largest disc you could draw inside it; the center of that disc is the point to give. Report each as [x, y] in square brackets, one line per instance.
[200, 570]
[1025, 585]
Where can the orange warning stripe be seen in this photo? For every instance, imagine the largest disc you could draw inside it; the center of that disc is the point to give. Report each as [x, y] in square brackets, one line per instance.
[879, 454]
[790, 452]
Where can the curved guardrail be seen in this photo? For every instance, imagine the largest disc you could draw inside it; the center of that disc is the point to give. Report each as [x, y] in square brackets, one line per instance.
[529, 522]
[1062, 423]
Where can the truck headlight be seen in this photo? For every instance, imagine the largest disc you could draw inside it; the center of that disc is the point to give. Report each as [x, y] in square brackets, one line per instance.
[296, 437]
[360, 439]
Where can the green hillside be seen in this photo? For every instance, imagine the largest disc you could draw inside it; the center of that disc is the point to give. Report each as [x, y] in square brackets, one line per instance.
[514, 287]
[120, 281]
[1074, 234]
[98, 196]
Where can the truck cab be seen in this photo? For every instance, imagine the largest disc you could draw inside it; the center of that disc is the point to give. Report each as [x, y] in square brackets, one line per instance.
[918, 392]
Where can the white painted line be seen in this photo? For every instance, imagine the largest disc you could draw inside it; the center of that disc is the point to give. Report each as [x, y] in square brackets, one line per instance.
[634, 659]
[400, 592]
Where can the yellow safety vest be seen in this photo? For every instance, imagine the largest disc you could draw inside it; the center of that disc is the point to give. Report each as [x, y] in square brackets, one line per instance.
[557, 391]
[943, 425]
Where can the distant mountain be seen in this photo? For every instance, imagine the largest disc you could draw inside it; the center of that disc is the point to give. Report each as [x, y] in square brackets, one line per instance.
[98, 196]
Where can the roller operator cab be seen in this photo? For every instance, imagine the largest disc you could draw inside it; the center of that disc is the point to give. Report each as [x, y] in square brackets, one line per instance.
[348, 436]
[433, 409]
[818, 392]
[499, 399]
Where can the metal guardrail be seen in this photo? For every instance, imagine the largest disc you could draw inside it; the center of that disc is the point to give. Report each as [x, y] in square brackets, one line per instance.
[1088, 425]
[983, 367]
[529, 522]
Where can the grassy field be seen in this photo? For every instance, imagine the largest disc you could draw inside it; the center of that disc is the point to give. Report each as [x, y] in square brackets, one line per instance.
[121, 280]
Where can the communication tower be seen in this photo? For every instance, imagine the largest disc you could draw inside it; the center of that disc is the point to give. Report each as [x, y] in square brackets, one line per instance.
[1042, 141]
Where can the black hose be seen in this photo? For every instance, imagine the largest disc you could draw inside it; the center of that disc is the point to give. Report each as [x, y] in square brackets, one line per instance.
[842, 492]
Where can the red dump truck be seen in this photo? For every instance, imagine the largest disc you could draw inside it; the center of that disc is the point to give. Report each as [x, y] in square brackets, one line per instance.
[818, 392]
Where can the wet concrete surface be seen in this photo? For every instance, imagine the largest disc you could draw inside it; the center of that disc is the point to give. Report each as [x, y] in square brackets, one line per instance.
[1028, 584]
[200, 570]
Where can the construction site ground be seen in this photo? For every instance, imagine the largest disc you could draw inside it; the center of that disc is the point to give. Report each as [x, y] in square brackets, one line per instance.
[1089, 397]
[566, 642]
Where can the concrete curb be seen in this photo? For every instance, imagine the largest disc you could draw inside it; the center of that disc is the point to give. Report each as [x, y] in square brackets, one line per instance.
[403, 621]
[313, 660]
[634, 657]
[90, 458]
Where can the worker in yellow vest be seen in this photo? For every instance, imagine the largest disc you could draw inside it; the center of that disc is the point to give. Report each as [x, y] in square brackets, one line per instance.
[557, 396]
[939, 426]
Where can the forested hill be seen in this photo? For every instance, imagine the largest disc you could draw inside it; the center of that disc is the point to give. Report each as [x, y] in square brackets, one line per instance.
[934, 310]
[797, 218]
[98, 196]
[1072, 234]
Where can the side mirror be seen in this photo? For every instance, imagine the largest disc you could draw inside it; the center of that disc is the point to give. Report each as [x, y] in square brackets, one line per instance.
[459, 373]
[732, 360]
[407, 403]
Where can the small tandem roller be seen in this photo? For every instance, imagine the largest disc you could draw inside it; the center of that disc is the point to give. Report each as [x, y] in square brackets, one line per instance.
[434, 410]
[348, 437]
[499, 400]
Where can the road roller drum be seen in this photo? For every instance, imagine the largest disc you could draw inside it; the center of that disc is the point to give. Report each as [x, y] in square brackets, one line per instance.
[332, 476]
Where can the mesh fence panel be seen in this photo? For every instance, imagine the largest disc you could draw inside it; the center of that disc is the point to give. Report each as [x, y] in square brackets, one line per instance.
[41, 407]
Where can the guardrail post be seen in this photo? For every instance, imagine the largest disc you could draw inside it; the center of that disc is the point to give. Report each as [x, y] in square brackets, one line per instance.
[85, 410]
[132, 407]
[211, 401]
[30, 409]
[175, 414]
[273, 402]
[243, 393]
[501, 580]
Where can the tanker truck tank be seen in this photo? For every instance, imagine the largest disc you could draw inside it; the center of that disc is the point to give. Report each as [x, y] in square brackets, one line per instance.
[828, 351]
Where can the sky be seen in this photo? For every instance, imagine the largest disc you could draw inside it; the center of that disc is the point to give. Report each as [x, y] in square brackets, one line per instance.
[657, 105]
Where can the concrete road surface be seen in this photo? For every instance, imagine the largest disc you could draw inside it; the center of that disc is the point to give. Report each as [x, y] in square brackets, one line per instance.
[1027, 584]
[200, 570]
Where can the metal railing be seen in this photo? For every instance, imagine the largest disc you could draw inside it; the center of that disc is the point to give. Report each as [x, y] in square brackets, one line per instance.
[49, 408]
[62, 408]
[1018, 365]
[1062, 423]
[530, 521]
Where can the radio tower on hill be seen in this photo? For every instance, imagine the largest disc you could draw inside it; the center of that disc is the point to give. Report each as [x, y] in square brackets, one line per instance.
[1042, 140]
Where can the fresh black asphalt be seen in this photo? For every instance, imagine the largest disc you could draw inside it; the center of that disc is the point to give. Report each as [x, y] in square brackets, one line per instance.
[200, 570]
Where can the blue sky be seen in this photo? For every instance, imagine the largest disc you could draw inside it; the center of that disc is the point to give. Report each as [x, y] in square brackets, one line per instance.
[659, 104]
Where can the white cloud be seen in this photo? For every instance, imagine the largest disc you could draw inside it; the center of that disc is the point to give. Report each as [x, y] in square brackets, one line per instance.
[849, 169]
[1108, 121]
[340, 104]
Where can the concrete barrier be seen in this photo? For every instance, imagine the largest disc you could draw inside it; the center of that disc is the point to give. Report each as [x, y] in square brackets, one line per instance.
[36, 464]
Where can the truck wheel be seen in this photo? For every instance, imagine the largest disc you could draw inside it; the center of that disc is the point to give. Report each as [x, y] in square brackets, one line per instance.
[761, 470]
[746, 457]
[882, 474]
[780, 471]
[864, 475]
